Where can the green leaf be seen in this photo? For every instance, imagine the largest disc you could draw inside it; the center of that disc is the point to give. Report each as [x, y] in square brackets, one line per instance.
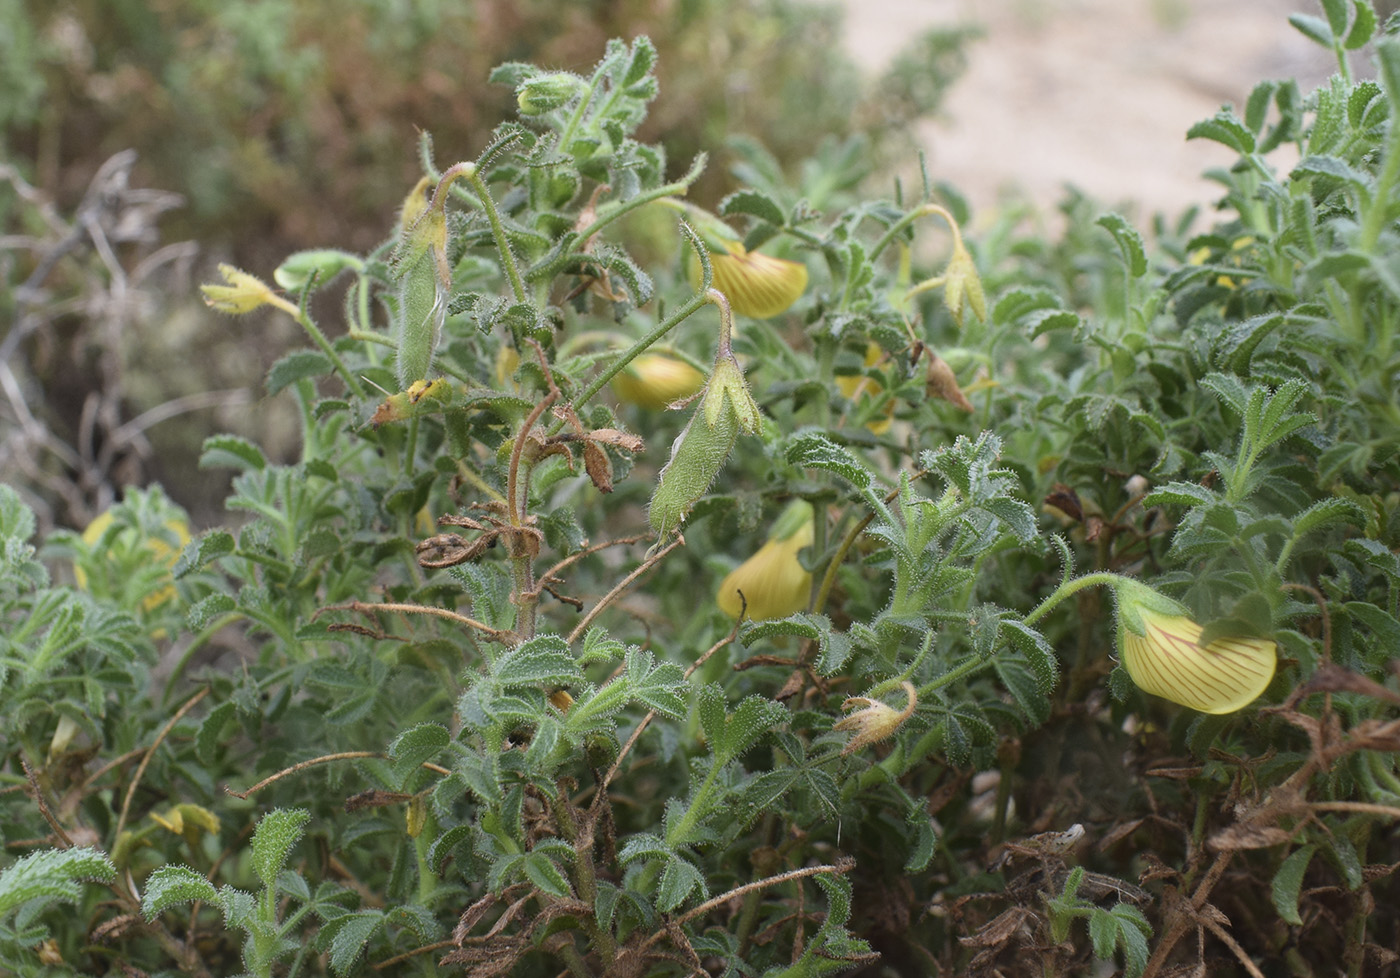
[678, 881]
[419, 920]
[1336, 11]
[1363, 25]
[16, 519]
[53, 874]
[273, 839]
[210, 546]
[416, 745]
[643, 845]
[1325, 512]
[206, 609]
[231, 452]
[447, 843]
[542, 661]
[755, 204]
[1133, 932]
[1238, 342]
[1256, 107]
[295, 366]
[1288, 883]
[1314, 28]
[658, 686]
[1388, 61]
[1225, 128]
[1129, 241]
[545, 874]
[347, 936]
[641, 62]
[1379, 622]
[815, 451]
[1048, 320]
[1332, 167]
[211, 729]
[1180, 494]
[754, 717]
[170, 886]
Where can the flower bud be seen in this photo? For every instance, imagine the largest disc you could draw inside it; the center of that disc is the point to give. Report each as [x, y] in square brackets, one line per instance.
[545, 93]
[1161, 651]
[242, 294]
[654, 380]
[875, 720]
[774, 583]
[963, 284]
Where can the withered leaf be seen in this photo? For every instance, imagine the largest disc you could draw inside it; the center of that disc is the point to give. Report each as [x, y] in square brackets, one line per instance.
[598, 466]
[622, 439]
[1248, 836]
[940, 382]
[998, 930]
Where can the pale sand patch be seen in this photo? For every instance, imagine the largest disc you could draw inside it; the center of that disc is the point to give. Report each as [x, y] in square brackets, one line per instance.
[1094, 93]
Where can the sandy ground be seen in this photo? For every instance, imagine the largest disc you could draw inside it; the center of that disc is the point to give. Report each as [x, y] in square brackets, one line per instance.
[1098, 93]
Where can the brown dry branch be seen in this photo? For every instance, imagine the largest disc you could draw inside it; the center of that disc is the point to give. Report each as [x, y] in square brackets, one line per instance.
[64, 840]
[651, 561]
[150, 752]
[368, 608]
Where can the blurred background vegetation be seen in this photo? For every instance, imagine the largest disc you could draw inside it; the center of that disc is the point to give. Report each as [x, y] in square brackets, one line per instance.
[288, 124]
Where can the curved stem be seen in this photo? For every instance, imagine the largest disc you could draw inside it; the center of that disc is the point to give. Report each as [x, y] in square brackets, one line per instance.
[498, 232]
[1068, 588]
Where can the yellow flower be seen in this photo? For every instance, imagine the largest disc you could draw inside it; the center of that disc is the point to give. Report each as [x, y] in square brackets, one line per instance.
[188, 820]
[654, 380]
[857, 386]
[757, 285]
[1161, 650]
[773, 582]
[875, 720]
[159, 551]
[243, 293]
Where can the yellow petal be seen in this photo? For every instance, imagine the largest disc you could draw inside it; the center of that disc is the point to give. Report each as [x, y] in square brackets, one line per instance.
[1168, 661]
[653, 381]
[758, 285]
[774, 582]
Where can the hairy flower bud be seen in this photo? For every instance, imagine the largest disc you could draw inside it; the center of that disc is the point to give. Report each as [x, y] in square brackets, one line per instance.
[242, 294]
[774, 584]
[1161, 651]
[545, 93]
[875, 720]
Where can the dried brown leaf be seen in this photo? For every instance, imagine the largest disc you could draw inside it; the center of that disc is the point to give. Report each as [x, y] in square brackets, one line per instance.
[1248, 836]
[940, 382]
[621, 439]
[598, 466]
[1000, 929]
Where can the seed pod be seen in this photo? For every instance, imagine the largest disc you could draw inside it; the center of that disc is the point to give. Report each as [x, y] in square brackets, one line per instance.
[424, 278]
[697, 455]
[422, 311]
[700, 450]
